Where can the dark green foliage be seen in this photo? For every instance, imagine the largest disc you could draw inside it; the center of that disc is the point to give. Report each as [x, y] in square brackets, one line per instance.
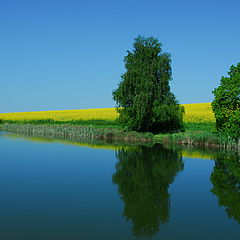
[143, 177]
[143, 97]
[226, 183]
[226, 104]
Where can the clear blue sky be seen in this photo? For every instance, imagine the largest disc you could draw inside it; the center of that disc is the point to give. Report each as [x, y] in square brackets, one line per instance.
[68, 54]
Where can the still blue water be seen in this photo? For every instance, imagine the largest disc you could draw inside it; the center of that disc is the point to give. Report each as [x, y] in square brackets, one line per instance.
[51, 190]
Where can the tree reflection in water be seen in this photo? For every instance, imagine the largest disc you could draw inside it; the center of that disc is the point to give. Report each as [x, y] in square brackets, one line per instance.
[226, 183]
[143, 177]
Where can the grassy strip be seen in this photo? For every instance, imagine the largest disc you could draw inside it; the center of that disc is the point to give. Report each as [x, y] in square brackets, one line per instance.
[93, 122]
[189, 126]
[199, 126]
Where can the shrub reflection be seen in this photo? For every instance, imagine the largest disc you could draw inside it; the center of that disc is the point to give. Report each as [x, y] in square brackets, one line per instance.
[226, 183]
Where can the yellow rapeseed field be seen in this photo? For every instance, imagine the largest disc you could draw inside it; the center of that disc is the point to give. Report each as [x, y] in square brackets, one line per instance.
[196, 112]
[63, 115]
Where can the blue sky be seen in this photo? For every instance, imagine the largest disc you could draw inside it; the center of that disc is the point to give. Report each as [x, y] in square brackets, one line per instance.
[68, 54]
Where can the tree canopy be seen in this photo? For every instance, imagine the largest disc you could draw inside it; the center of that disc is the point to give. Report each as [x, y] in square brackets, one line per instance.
[143, 97]
[226, 104]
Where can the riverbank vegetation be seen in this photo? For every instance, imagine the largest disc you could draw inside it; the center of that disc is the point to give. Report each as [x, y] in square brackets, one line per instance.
[78, 133]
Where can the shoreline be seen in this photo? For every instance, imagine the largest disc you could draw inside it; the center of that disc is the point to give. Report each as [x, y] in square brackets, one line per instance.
[78, 133]
[202, 139]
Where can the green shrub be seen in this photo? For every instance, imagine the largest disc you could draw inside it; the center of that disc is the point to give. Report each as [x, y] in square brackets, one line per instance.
[226, 104]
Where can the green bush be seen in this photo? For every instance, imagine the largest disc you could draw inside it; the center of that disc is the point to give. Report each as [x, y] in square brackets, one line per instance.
[226, 104]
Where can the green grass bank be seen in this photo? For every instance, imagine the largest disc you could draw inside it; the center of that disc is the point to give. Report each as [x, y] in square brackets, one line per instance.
[195, 135]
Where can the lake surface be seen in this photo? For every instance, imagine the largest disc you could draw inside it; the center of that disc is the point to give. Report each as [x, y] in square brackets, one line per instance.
[55, 190]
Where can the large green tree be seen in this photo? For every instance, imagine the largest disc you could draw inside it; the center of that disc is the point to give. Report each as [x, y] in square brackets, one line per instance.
[143, 97]
[226, 104]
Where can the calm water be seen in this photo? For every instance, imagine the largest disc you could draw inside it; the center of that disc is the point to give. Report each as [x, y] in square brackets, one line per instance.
[52, 190]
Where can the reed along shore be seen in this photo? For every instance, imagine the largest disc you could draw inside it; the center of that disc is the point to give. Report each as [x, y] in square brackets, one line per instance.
[78, 133]
[189, 138]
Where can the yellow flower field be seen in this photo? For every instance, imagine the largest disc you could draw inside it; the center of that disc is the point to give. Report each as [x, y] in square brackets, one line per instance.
[63, 115]
[196, 112]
